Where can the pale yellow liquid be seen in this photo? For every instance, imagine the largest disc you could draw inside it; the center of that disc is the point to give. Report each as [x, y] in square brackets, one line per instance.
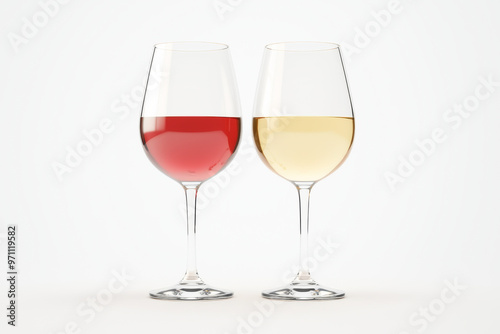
[303, 148]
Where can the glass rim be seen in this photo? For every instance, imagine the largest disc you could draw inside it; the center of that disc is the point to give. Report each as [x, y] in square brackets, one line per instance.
[314, 46]
[190, 46]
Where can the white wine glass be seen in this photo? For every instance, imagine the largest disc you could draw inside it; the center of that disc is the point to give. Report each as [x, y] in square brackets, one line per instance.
[303, 128]
[190, 129]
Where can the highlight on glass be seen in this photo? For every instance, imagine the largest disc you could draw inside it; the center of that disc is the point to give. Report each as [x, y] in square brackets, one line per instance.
[303, 128]
[190, 129]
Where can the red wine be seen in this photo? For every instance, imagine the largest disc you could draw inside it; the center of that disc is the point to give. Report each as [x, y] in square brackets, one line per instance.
[190, 148]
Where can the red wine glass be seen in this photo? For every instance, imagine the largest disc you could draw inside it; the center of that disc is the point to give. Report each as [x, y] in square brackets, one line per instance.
[190, 128]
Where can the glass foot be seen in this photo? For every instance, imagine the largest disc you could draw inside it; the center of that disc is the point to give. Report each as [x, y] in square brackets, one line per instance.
[190, 291]
[303, 291]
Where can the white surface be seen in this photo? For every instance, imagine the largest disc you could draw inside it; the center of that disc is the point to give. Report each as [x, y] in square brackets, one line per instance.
[114, 210]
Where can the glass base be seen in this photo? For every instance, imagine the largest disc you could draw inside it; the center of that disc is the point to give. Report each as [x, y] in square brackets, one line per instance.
[308, 290]
[190, 291]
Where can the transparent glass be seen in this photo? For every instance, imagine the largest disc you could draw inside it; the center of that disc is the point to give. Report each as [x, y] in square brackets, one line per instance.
[190, 129]
[303, 128]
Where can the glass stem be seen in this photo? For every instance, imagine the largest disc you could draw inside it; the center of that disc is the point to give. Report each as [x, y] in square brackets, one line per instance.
[304, 189]
[191, 190]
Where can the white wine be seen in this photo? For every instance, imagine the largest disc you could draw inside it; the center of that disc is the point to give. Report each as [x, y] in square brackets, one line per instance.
[303, 148]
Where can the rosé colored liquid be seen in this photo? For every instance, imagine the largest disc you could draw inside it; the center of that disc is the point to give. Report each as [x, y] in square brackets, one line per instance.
[190, 148]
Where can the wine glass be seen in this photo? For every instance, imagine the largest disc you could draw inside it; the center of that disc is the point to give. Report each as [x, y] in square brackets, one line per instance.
[190, 128]
[303, 128]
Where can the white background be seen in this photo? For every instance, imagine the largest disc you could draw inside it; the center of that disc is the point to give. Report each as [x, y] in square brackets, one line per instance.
[115, 211]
